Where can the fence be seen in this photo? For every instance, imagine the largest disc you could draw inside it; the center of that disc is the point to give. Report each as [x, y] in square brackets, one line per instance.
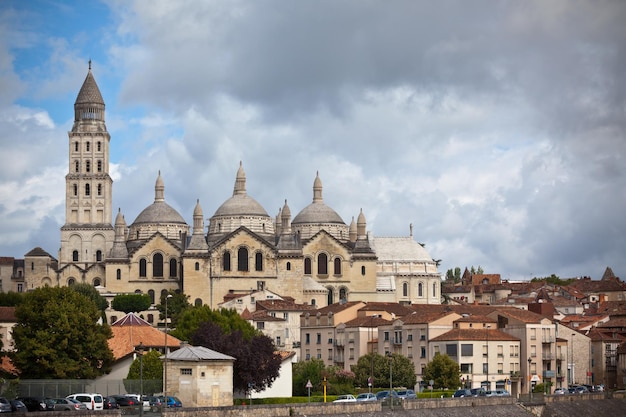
[58, 388]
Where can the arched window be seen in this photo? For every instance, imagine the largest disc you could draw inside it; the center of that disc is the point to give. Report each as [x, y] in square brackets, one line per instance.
[242, 259]
[330, 296]
[322, 264]
[197, 302]
[87, 166]
[71, 282]
[99, 189]
[343, 294]
[75, 146]
[118, 274]
[288, 266]
[151, 294]
[434, 289]
[87, 146]
[99, 166]
[87, 190]
[143, 268]
[312, 301]
[405, 289]
[363, 270]
[151, 317]
[337, 266]
[258, 261]
[75, 256]
[98, 255]
[197, 266]
[96, 282]
[75, 189]
[226, 261]
[420, 290]
[99, 146]
[157, 265]
[173, 268]
[76, 166]
[307, 266]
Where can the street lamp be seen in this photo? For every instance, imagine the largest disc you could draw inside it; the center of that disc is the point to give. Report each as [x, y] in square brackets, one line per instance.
[165, 358]
[530, 385]
[139, 351]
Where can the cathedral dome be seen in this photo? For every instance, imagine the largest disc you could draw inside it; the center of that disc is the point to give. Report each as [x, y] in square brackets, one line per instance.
[317, 213]
[159, 212]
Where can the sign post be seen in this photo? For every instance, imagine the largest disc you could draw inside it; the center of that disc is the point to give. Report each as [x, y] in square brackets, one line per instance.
[431, 382]
[309, 386]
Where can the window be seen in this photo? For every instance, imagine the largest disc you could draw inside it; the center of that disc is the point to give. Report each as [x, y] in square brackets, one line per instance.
[319, 338]
[87, 166]
[99, 146]
[260, 325]
[362, 270]
[434, 289]
[307, 339]
[423, 352]
[466, 368]
[185, 371]
[337, 266]
[451, 349]
[467, 350]
[87, 190]
[118, 274]
[288, 266]
[157, 265]
[258, 261]
[99, 166]
[343, 294]
[143, 266]
[76, 166]
[386, 336]
[98, 256]
[75, 256]
[322, 264]
[405, 289]
[226, 261]
[409, 337]
[75, 146]
[197, 266]
[75, 189]
[242, 259]
[307, 266]
[330, 296]
[173, 268]
[420, 290]
[99, 189]
[87, 146]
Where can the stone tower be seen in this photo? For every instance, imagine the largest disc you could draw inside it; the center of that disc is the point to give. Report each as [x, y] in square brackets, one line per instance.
[87, 235]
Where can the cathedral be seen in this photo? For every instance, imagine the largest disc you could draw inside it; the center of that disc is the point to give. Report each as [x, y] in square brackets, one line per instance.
[313, 257]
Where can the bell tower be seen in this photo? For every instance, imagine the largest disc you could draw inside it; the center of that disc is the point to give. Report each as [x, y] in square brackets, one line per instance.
[87, 235]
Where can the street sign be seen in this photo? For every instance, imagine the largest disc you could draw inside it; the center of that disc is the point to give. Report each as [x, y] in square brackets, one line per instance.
[309, 385]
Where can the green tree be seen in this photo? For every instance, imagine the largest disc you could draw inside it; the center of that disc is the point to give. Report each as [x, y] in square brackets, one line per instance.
[92, 293]
[11, 298]
[57, 336]
[177, 303]
[129, 303]
[443, 371]
[192, 318]
[305, 371]
[403, 371]
[152, 374]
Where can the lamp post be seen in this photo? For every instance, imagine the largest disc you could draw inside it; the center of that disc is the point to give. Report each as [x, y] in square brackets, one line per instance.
[488, 387]
[165, 358]
[530, 384]
[390, 379]
[570, 380]
[139, 351]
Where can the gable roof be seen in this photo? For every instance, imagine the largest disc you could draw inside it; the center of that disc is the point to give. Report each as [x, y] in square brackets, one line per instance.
[129, 332]
[190, 353]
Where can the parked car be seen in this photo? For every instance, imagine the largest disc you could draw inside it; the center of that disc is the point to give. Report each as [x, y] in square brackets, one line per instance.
[407, 394]
[144, 401]
[367, 396]
[18, 407]
[67, 404]
[462, 393]
[599, 388]
[5, 405]
[35, 403]
[156, 404]
[347, 398]
[172, 402]
[478, 392]
[497, 393]
[381, 395]
[93, 401]
[577, 389]
[110, 403]
[124, 401]
[560, 391]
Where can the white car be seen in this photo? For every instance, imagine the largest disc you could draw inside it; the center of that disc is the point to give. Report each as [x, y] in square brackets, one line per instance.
[348, 398]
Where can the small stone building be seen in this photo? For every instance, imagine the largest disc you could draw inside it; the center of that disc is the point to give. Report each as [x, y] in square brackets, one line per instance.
[200, 377]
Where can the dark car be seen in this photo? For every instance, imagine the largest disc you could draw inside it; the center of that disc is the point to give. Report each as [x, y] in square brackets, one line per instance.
[109, 403]
[5, 405]
[478, 392]
[18, 407]
[124, 401]
[36, 403]
[462, 393]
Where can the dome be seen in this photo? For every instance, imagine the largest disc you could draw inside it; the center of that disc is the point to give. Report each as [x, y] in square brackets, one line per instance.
[159, 212]
[317, 212]
[240, 204]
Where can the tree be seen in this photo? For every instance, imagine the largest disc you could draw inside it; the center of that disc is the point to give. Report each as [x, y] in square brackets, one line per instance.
[176, 305]
[11, 298]
[305, 371]
[443, 371]
[192, 318]
[92, 293]
[256, 365]
[403, 370]
[57, 335]
[152, 374]
[129, 303]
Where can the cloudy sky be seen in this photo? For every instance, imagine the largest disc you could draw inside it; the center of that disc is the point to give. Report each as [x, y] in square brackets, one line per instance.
[496, 128]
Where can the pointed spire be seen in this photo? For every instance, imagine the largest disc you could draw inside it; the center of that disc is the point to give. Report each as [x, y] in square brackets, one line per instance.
[240, 181]
[361, 226]
[352, 231]
[285, 227]
[317, 189]
[198, 224]
[159, 189]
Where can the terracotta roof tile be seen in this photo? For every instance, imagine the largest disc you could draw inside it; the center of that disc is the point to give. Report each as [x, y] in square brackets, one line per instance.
[127, 337]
